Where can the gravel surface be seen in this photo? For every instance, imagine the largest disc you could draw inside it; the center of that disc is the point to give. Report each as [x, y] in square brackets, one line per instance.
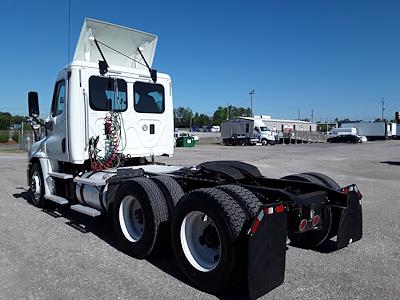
[44, 255]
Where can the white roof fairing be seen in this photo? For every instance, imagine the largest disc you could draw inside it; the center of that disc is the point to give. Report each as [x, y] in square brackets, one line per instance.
[123, 39]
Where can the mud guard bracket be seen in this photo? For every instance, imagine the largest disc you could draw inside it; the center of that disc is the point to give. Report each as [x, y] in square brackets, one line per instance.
[266, 250]
[350, 224]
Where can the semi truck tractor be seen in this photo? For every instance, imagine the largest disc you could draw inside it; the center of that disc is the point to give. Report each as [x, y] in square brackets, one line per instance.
[111, 116]
[247, 131]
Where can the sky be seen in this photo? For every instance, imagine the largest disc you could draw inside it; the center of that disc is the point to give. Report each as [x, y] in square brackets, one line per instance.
[337, 58]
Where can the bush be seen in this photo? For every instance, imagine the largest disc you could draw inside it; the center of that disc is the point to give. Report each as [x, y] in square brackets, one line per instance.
[3, 137]
[15, 137]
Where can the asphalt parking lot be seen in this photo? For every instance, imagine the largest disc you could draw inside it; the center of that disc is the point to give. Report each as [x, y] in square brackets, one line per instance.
[46, 256]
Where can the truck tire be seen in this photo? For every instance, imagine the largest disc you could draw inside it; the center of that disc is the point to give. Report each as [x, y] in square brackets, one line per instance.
[246, 199]
[36, 185]
[264, 142]
[311, 238]
[336, 212]
[328, 182]
[171, 190]
[138, 211]
[206, 227]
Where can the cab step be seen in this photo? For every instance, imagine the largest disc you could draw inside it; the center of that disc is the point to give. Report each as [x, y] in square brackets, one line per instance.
[60, 175]
[56, 199]
[86, 210]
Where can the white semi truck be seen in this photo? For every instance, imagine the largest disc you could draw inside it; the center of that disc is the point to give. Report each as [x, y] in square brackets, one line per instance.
[247, 131]
[112, 114]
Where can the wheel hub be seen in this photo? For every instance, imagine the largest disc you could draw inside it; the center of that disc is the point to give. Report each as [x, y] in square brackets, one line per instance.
[131, 218]
[200, 240]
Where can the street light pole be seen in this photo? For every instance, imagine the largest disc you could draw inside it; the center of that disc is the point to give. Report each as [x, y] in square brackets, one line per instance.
[252, 92]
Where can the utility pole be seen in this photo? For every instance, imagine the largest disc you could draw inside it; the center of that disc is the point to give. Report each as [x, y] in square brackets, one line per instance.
[298, 113]
[383, 107]
[312, 115]
[252, 92]
[227, 111]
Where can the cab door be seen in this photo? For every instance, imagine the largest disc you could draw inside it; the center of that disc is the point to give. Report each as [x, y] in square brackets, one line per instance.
[57, 145]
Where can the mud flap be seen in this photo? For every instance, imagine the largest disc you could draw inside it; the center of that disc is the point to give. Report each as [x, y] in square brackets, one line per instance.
[350, 224]
[266, 250]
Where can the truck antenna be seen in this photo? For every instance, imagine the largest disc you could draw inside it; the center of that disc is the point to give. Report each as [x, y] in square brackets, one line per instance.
[69, 29]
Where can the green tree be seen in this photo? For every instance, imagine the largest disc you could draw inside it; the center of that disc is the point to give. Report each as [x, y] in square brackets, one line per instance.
[182, 117]
[229, 112]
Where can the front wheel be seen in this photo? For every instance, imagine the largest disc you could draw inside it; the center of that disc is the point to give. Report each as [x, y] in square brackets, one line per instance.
[205, 229]
[36, 185]
[264, 142]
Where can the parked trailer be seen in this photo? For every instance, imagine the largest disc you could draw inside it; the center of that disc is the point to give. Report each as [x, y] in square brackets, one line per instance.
[228, 223]
[372, 130]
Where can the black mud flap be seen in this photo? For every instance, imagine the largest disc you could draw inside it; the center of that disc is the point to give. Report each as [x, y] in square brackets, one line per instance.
[350, 224]
[266, 250]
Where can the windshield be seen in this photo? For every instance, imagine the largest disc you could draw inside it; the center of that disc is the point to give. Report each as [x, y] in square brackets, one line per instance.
[149, 97]
[264, 128]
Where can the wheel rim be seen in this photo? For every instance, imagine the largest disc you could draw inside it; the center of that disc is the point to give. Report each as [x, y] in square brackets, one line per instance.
[131, 218]
[201, 242]
[263, 142]
[35, 185]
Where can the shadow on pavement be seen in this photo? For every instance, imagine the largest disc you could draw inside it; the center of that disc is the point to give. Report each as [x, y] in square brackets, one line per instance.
[161, 257]
[392, 163]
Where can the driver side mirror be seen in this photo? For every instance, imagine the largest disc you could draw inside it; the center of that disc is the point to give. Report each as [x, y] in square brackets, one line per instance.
[33, 104]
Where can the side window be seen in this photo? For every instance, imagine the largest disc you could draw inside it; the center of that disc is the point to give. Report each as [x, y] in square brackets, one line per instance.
[58, 103]
[149, 97]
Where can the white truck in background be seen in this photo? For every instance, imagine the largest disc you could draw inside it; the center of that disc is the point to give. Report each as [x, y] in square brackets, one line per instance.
[342, 131]
[247, 131]
[112, 114]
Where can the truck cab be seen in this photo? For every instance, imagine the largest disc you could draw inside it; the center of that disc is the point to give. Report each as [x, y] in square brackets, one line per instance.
[86, 102]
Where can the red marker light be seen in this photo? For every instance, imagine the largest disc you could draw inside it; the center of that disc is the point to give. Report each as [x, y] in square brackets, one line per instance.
[303, 225]
[279, 208]
[316, 220]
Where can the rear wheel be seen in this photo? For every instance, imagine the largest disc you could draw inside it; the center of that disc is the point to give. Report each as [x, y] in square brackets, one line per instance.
[336, 212]
[171, 190]
[246, 199]
[205, 229]
[36, 186]
[138, 210]
[314, 237]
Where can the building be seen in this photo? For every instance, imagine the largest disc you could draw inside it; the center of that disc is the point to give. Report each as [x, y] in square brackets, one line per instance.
[287, 125]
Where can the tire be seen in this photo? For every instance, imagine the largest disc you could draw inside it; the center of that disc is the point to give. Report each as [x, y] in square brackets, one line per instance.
[36, 185]
[328, 182]
[207, 254]
[243, 143]
[305, 178]
[246, 199]
[336, 212]
[136, 235]
[311, 238]
[171, 190]
[264, 142]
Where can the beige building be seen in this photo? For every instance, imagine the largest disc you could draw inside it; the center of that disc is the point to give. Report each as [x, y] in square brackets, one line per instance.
[287, 125]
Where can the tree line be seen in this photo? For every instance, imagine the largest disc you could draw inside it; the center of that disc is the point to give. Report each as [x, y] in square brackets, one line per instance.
[185, 118]
[7, 120]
